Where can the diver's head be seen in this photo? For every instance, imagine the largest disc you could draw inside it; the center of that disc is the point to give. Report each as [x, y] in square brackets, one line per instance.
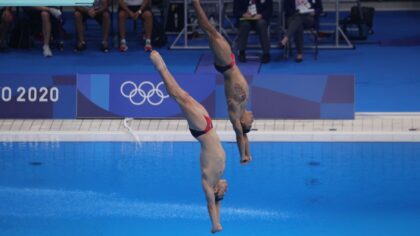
[220, 189]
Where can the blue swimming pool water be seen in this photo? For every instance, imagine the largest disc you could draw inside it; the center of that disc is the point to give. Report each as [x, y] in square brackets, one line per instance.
[154, 189]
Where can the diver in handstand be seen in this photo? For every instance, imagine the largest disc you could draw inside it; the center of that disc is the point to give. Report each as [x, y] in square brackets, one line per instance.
[236, 87]
[212, 156]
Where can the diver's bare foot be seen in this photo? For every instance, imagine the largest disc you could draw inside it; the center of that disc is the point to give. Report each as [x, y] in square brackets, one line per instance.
[216, 229]
[157, 60]
[245, 160]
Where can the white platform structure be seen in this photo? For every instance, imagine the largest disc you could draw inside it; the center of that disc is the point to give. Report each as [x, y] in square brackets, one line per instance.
[338, 32]
[182, 41]
[183, 35]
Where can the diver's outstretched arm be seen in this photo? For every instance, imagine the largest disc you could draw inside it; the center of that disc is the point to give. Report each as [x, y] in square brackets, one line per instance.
[212, 207]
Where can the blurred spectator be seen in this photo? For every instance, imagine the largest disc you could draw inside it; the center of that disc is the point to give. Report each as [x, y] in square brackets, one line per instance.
[253, 14]
[6, 19]
[300, 15]
[44, 17]
[99, 11]
[135, 9]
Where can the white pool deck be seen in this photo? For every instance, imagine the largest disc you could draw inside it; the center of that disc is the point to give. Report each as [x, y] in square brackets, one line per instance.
[366, 127]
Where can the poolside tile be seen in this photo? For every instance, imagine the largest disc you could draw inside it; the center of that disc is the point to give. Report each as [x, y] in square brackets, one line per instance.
[366, 127]
[26, 125]
[17, 124]
[36, 125]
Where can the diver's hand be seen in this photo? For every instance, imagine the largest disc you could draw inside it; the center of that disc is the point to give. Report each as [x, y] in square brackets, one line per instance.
[216, 229]
[245, 159]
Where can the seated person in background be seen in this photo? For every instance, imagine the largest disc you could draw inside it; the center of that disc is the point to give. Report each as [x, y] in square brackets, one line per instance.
[300, 14]
[99, 12]
[253, 14]
[6, 19]
[44, 17]
[135, 9]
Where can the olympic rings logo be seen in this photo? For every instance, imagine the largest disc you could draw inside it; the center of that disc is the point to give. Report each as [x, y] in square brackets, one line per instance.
[130, 90]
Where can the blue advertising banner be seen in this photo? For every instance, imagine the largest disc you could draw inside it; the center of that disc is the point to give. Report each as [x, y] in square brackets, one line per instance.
[37, 96]
[139, 95]
[305, 96]
[272, 96]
